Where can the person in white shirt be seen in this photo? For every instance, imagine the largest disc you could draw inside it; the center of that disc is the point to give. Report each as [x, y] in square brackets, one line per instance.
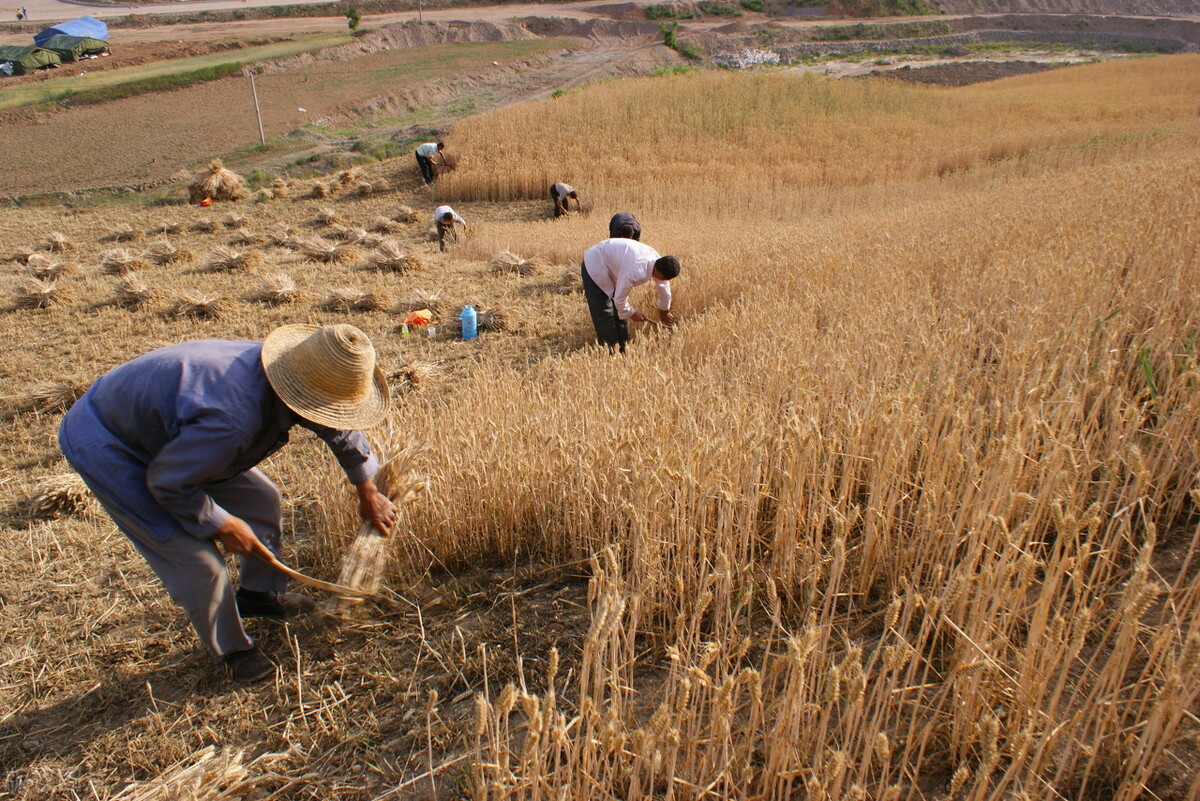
[444, 218]
[425, 156]
[561, 195]
[611, 269]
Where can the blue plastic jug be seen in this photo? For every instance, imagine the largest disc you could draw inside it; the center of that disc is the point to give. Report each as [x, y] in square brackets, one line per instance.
[469, 323]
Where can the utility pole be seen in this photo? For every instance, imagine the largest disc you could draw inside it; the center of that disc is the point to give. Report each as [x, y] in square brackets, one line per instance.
[262, 137]
[419, 19]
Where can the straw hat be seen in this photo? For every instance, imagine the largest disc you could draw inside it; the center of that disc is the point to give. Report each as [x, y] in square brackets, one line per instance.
[326, 374]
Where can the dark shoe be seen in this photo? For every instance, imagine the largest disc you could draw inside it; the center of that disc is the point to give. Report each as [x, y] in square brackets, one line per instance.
[249, 666]
[274, 605]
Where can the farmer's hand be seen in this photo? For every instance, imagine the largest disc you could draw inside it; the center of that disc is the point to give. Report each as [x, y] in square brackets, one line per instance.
[375, 507]
[237, 538]
[666, 317]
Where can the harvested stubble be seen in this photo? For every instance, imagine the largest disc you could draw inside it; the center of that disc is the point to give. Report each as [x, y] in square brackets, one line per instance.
[285, 236]
[217, 183]
[381, 185]
[343, 234]
[329, 252]
[277, 290]
[45, 268]
[263, 195]
[33, 293]
[508, 262]
[50, 397]
[369, 240]
[59, 496]
[234, 220]
[120, 261]
[327, 216]
[395, 258]
[133, 293]
[164, 253]
[495, 320]
[198, 305]
[382, 225]
[123, 233]
[366, 559]
[204, 226]
[227, 259]
[22, 255]
[167, 228]
[405, 214]
[348, 299]
[56, 242]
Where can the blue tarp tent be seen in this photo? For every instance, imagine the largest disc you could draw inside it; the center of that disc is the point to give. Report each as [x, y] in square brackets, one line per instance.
[84, 26]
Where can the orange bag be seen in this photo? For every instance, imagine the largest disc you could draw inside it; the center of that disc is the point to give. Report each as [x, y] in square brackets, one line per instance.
[419, 317]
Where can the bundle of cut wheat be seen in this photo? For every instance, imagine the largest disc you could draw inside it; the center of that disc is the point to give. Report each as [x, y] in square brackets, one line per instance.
[423, 299]
[343, 234]
[370, 240]
[59, 496]
[416, 373]
[217, 183]
[45, 268]
[228, 260]
[328, 252]
[22, 255]
[381, 185]
[133, 293]
[234, 220]
[395, 258]
[366, 559]
[162, 253]
[569, 281]
[348, 299]
[319, 191]
[277, 290]
[56, 242]
[284, 237]
[204, 226]
[327, 216]
[281, 189]
[198, 305]
[263, 195]
[508, 262]
[33, 293]
[348, 177]
[405, 214]
[122, 233]
[363, 189]
[246, 239]
[494, 320]
[382, 225]
[120, 261]
[208, 774]
[50, 397]
[166, 228]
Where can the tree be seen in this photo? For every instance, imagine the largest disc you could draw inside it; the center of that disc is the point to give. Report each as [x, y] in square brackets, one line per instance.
[353, 18]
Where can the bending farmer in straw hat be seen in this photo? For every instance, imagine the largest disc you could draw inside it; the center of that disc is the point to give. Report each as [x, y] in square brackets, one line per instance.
[169, 444]
[611, 269]
[444, 218]
[561, 195]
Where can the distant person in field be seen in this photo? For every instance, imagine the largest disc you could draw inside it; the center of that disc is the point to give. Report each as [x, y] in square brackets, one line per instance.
[561, 195]
[169, 443]
[445, 218]
[624, 225]
[426, 153]
[611, 269]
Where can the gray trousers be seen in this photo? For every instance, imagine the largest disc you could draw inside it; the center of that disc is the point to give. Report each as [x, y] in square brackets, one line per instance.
[193, 570]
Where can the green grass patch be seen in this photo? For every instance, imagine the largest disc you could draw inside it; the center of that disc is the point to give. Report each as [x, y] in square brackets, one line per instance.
[674, 69]
[751, 5]
[160, 75]
[671, 40]
[718, 9]
[666, 12]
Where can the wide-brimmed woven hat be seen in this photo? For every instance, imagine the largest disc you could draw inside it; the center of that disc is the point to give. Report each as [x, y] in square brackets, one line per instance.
[326, 374]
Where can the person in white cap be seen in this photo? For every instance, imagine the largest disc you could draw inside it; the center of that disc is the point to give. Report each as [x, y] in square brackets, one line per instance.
[444, 218]
[169, 444]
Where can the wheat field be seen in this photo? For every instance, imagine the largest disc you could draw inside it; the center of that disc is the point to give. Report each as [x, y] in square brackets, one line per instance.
[904, 508]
